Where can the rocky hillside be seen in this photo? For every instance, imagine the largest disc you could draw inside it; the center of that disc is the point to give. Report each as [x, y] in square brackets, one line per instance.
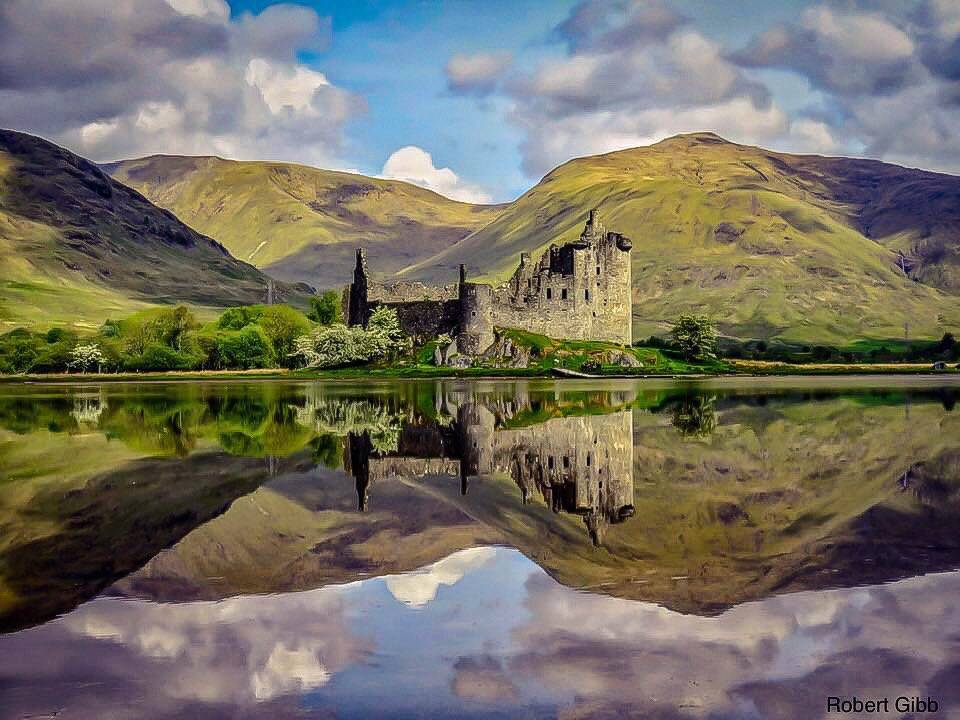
[300, 223]
[80, 246]
[770, 244]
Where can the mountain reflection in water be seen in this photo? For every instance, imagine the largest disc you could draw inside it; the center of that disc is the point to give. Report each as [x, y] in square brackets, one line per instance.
[379, 519]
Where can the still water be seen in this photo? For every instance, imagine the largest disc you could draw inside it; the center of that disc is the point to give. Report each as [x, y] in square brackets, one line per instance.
[478, 549]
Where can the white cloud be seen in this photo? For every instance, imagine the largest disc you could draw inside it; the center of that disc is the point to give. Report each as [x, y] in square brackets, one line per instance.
[419, 587]
[814, 136]
[216, 8]
[634, 73]
[122, 78]
[415, 165]
[478, 73]
[284, 87]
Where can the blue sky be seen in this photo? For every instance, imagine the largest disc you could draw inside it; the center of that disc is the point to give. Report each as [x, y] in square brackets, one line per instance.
[393, 53]
[478, 100]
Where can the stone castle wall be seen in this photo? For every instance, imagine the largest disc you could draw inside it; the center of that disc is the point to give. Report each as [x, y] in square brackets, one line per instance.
[578, 291]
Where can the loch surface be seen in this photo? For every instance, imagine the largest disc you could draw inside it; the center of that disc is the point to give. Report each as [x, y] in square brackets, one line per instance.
[478, 549]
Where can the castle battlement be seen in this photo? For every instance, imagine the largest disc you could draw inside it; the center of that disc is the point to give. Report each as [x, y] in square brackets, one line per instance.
[579, 290]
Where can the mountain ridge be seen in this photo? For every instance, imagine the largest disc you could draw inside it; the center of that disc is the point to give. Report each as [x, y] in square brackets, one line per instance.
[77, 242]
[299, 222]
[771, 244]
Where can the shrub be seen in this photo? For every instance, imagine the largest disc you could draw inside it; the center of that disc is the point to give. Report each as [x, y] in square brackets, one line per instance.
[245, 349]
[282, 325]
[326, 309]
[339, 345]
[156, 357]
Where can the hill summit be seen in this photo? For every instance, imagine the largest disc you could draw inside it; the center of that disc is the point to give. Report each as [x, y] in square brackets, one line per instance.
[770, 244]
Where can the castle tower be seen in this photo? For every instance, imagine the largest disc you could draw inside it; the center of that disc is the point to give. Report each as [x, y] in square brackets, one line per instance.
[476, 316]
[357, 304]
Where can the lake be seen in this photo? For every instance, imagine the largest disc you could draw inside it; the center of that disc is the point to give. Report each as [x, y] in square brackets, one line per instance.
[479, 549]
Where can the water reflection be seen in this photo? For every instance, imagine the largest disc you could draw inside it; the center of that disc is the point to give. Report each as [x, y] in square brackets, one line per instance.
[485, 633]
[698, 499]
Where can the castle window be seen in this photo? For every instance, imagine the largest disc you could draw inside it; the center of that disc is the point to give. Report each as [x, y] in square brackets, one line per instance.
[586, 295]
[563, 294]
[588, 459]
[566, 461]
[598, 269]
[550, 462]
[549, 293]
[473, 314]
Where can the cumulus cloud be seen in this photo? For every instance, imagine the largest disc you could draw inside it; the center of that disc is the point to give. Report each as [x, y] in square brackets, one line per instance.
[476, 74]
[634, 73]
[415, 165]
[889, 73]
[418, 588]
[844, 52]
[121, 78]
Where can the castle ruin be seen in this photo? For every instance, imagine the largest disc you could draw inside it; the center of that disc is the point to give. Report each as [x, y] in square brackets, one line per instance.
[577, 291]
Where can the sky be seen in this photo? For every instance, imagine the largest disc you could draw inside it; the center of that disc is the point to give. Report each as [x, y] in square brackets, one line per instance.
[478, 100]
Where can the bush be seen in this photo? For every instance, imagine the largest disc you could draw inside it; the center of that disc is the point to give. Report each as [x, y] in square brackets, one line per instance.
[245, 349]
[590, 366]
[156, 357]
[339, 345]
[326, 309]
[282, 325]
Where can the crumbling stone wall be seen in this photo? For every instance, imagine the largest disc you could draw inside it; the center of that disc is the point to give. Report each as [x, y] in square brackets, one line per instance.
[579, 291]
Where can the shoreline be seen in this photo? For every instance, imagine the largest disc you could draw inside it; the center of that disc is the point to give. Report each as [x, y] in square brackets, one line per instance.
[820, 370]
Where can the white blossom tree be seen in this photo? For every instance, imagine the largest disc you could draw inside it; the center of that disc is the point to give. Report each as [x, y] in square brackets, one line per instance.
[86, 357]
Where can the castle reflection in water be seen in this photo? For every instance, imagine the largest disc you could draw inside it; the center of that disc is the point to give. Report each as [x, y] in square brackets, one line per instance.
[578, 464]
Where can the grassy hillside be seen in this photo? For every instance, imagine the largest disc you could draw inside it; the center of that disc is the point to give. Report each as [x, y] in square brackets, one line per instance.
[769, 244]
[78, 246]
[301, 223]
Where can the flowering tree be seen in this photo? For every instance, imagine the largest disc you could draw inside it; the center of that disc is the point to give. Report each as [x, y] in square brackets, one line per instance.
[338, 345]
[85, 357]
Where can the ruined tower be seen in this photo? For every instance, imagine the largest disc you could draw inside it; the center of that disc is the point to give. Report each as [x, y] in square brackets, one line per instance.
[579, 291]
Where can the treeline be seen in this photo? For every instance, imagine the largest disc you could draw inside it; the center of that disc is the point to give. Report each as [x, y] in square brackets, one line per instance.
[693, 337]
[165, 339]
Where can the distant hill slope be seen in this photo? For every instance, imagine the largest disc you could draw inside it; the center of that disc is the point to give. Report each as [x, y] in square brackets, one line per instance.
[769, 244]
[80, 246]
[301, 223]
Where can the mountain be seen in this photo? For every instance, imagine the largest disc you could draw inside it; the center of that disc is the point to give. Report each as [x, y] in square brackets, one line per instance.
[79, 245]
[770, 244]
[300, 223]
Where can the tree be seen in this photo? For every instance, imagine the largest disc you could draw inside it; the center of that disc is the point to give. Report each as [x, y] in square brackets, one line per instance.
[85, 357]
[384, 321]
[696, 336]
[326, 309]
[245, 349]
[337, 345]
[283, 325]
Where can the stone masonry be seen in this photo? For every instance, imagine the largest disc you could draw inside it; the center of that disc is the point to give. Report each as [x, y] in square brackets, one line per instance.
[577, 291]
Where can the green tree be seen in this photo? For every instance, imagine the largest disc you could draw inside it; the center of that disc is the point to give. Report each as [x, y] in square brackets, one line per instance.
[283, 325]
[246, 348]
[696, 336]
[326, 309]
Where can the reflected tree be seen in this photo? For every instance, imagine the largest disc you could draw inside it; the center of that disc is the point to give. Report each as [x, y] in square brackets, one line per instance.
[694, 415]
